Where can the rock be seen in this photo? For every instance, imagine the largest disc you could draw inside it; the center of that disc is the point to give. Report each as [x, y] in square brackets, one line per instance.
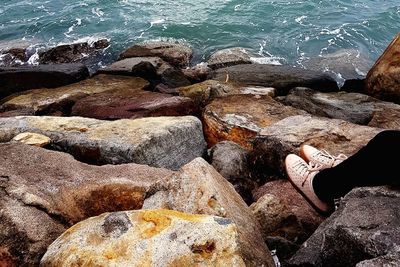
[147, 238]
[343, 64]
[168, 142]
[365, 226]
[203, 93]
[17, 112]
[48, 101]
[198, 73]
[283, 212]
[354, 85]
[176, 54]
[389, 260]
[229, 57]
[14, 52]
[283, 78]
[352, 107]
[383, 79]
[45, 192]
[132, 104]
[18, 79]
[276, 141]
[32, 139]
[153, 69]
[239, 118]
[199, 189]
[76, 52]
[230, 160]
[283, 248]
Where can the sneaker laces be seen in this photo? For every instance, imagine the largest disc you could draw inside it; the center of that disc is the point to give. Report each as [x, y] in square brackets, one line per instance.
[307, 169]
[330, 158]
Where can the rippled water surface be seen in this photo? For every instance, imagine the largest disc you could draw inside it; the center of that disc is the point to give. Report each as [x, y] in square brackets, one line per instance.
[291, 31]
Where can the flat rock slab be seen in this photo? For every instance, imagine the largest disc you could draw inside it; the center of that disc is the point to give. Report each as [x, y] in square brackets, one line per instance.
[352, 107]
[45, 192]
[154, 238]
[283, 78]
[239, 118]
[17, 79]
[203, 93]
[275, 142]
[383, 79]
[229, 57]
[168, 142]
[125, 104]
[199, 189]
[365, 226]
[176, 54]
[60, 100]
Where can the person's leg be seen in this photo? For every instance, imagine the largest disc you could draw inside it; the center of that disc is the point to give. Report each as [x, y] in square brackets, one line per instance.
[377, 163]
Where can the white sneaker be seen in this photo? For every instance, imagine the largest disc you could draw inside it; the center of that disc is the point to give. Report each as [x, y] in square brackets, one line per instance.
[301, 175]
[320, 157]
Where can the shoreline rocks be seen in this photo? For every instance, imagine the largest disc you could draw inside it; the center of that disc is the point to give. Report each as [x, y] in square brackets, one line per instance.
[184, 206]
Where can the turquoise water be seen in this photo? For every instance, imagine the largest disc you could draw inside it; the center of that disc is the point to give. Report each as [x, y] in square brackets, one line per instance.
[289, 31]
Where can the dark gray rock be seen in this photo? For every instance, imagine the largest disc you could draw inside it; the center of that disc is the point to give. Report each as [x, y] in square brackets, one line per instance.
[283, 78]
[352, 107]
[389, 260]
[17, 79]
[230, 160]
[70, 53]
[365, 226]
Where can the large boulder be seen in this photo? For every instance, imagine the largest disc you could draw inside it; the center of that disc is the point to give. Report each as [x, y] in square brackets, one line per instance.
[22, 78]
[59, 101]
[45, 192]
[383, 79]
[168, 142]
[176, 54]
[365, 226]
[118, 104]
[15, 52]
[199, 189]
[276, 141]
[283, 78]
[352, 107]
[147, 238]
[239, 118]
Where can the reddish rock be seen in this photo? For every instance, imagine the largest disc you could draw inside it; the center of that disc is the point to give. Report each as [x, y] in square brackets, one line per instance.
[124, 104]
[239, 118]
[383, 79]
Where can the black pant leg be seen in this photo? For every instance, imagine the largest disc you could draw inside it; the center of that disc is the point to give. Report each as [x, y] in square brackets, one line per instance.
[375, 164]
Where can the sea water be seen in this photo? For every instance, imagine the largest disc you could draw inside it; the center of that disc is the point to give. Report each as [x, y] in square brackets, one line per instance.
[287, 31]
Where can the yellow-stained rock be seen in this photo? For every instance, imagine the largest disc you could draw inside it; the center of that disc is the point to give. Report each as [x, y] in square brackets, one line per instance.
[32, 139]
[147, 238]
